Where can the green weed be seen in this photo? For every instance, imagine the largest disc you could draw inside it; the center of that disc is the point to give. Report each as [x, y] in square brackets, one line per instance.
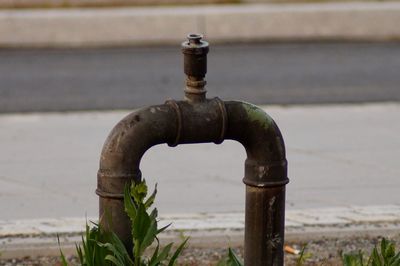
[231, 259]
[385, 256]
[103, 248]
[303, 256]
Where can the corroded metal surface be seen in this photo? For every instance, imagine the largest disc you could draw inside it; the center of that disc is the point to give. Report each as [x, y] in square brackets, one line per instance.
[200, 120]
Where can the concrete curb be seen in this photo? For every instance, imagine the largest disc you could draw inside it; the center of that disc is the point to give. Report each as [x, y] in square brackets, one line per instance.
[38, 237]
[221, 23]
[99, 3]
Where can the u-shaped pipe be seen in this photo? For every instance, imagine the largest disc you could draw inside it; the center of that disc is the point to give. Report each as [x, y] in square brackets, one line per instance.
[200, 120]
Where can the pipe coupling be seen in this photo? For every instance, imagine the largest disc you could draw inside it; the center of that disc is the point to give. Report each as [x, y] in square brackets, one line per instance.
[268, 174]
[112, 186]
[199, 122]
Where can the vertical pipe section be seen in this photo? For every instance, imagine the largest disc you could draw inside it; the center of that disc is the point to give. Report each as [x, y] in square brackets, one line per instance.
[264, 226]
[265, 178]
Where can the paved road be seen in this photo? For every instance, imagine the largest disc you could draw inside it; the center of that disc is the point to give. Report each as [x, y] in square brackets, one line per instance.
[56, 80]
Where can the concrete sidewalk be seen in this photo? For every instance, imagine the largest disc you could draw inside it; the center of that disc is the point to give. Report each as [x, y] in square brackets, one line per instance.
[220, 23]
[339, 156]
[343, 166]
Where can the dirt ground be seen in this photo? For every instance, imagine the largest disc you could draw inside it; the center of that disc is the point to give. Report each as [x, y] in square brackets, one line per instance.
[320, 252]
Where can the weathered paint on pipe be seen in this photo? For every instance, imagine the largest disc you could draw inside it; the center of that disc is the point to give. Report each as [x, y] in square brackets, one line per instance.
[200, 120]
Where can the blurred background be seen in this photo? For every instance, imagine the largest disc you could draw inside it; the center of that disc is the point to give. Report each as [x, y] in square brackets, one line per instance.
[328, 72]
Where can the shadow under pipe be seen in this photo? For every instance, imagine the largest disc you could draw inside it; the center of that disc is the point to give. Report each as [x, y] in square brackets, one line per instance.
[200, 120]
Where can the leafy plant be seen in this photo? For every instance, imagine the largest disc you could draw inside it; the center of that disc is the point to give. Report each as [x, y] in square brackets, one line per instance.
[303, 256]
[231, 259]
[103, 248]
[385, 256]
[353, 259]
[145, 227]
[63, 259]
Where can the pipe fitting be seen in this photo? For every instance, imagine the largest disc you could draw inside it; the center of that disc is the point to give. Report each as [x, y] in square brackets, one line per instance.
[266, 164]
[269, 174]
[195, 52]
[201, 120]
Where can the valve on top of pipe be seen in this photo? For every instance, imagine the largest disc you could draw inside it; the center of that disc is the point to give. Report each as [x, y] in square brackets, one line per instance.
[195, 67]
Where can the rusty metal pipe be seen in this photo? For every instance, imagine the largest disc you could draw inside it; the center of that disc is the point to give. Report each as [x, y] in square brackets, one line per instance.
[120, 161]
[200, 120]
[265, 178]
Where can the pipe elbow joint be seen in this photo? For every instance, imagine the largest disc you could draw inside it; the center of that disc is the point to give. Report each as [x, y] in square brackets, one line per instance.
[172, 123]
[266, 164]
[126, 144]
